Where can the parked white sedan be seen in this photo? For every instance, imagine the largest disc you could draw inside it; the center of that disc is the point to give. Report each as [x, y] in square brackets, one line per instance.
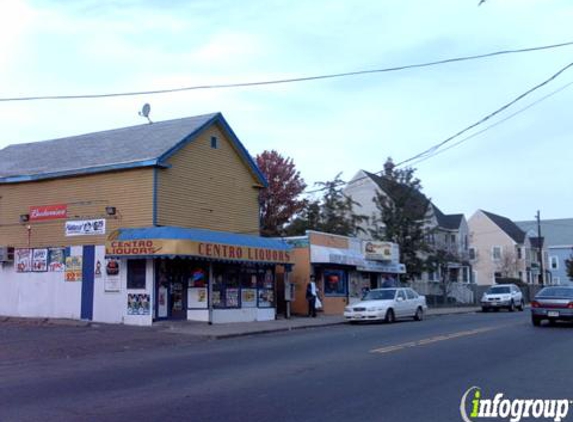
[388, 305]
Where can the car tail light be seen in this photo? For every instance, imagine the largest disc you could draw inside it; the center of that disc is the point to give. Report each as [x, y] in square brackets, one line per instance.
[570, 305]
[534, 304]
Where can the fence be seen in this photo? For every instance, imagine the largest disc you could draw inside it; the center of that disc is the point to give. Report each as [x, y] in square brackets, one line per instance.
[463, 294]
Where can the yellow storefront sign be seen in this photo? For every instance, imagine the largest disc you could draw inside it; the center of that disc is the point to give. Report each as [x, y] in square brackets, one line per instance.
[159, 247]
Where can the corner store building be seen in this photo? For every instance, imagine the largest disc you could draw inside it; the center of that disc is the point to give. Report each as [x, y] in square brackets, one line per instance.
[185, 191]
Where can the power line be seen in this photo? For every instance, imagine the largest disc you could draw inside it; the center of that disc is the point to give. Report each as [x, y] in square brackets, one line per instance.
[289, 80]
[473, 135]
[433, 151]
[486, 118]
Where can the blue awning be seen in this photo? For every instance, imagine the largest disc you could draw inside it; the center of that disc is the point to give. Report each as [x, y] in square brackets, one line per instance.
[201, 243]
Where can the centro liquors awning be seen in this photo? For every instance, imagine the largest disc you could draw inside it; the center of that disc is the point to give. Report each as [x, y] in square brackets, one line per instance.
[171, 242]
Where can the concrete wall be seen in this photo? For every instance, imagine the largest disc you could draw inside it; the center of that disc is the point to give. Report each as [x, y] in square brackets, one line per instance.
[48, 295]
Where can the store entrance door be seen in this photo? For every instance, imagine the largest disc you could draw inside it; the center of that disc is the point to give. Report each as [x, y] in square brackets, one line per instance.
[171, 291]
[177, 299]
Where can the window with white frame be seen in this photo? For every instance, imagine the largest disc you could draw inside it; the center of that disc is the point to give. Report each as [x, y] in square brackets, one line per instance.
[556, 280]
[554, 262]
[496, 253]
[472, 254]
[466, 275]
[519, 253]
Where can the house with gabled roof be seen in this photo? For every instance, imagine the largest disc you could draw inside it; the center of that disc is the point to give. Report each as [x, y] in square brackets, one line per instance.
[499, 248]
[132, 225]
[443, 230]
[558, 244]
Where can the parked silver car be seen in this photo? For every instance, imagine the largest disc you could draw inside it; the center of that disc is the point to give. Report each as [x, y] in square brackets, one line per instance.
[506, 296]
[387, 304]
[553, 304]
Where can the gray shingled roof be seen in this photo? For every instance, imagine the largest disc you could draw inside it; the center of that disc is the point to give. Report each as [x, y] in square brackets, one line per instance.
[557, 232]
[448, 221]
[108, 149]
[508, 226]
[415, 200]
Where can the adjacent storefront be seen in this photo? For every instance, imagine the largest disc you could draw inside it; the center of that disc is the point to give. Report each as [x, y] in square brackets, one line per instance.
[344, 268]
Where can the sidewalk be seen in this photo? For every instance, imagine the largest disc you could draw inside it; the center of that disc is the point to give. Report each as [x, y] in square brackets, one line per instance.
[221, 331]
[238, 329]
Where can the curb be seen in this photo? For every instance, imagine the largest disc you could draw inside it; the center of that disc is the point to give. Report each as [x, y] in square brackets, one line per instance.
[273, 330]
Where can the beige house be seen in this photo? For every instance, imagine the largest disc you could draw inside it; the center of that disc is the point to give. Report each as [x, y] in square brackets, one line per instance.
[500, 249]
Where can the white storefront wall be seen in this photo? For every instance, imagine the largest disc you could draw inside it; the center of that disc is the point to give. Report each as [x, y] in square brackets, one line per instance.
[48, 295]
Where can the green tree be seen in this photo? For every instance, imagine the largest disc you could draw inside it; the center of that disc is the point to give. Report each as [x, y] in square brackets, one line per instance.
[401, 215]
[332, 213]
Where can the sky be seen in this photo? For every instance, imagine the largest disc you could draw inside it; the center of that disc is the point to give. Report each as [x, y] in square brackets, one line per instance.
[328, 126]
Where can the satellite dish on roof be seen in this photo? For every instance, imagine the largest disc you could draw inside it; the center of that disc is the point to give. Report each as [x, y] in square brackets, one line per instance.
[145, 112]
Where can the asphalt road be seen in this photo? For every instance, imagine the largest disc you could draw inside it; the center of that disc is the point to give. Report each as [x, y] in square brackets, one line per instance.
[408, 371]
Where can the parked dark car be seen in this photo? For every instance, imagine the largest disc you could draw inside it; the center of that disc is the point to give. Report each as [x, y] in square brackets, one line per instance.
[553, 303]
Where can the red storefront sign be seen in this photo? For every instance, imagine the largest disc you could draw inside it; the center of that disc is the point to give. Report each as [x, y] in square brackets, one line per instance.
[48, 212]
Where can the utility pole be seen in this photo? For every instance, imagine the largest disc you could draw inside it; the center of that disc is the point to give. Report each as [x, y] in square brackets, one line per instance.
[540, 248]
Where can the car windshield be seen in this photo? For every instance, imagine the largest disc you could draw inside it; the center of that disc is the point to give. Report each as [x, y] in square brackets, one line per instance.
[380, 294]
[498, 290]
[556, 292]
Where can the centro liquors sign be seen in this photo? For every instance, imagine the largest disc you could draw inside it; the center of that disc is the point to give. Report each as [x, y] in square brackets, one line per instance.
[183, 247]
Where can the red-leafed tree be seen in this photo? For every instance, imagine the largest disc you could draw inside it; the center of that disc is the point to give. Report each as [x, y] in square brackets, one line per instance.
[280, 201]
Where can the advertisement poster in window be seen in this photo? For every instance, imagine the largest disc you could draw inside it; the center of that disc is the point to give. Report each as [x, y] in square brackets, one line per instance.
[162, 301]
[23, 260]
[111, 279]
[138, 304]
[232, 298]
[74, 268]
[334, 283]
[40, 260]
[266, 298]
[249, 298]
[197, 297]
[198, 278]
[56, 260]
[217, 302]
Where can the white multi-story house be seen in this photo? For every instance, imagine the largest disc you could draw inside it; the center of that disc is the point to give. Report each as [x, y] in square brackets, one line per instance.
[500, 249]
[443, 231]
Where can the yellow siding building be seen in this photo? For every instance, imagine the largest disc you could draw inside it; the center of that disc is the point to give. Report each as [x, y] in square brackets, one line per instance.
[188, 185]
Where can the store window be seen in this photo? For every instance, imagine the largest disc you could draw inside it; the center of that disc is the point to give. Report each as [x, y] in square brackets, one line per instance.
[334, 283]
[243, 286]
[136, 273]
[266, 292]
[197, 286]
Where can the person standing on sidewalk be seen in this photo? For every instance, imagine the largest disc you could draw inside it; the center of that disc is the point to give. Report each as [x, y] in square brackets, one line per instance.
[311, 297]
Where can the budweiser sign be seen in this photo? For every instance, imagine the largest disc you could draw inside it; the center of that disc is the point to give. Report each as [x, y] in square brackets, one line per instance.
[48, 212]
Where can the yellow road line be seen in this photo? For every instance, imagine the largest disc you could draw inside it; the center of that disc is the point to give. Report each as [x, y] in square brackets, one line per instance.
[435, 339]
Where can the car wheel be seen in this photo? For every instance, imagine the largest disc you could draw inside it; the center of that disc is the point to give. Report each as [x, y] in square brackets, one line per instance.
[536, 321]
[521, 306]
[419, 315]
[390, 317]
[511, 307]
